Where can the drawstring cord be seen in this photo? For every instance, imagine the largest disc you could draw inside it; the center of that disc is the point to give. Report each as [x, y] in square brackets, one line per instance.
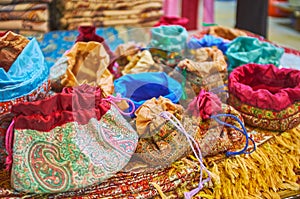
[244, 131]
[197, 152]
[116, 99]
[8, 145]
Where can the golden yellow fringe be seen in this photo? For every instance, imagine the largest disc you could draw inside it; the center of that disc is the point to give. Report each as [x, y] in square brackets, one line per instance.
[159, 190]
[266, 173]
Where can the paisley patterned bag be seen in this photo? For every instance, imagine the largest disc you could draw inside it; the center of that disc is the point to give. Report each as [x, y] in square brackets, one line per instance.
[69, 141]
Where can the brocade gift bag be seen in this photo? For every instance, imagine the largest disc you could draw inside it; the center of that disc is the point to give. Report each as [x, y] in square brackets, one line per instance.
[208, 71]
[266, 97]
[69, 141]
[160, 143]
[221, 126]
[23, 77]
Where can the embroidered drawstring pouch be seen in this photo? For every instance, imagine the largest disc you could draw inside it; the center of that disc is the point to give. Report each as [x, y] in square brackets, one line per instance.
[160, 143]
[68, 141]
[222, 128]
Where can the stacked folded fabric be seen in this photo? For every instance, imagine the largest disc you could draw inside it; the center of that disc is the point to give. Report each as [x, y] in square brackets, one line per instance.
[26, 17]
[102, 13]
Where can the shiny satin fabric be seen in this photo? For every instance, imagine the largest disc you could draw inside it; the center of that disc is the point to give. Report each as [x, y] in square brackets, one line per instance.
[169, 38]
[144, 86]
[27, 73]
[78, 104]
[208, 41]
[140, 63]
[87, 63]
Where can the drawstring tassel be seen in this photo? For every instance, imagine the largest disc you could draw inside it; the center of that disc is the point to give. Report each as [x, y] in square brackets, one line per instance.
[197, 152]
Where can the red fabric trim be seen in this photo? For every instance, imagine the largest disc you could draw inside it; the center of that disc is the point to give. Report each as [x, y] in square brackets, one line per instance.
[265, 86]
[78, 104]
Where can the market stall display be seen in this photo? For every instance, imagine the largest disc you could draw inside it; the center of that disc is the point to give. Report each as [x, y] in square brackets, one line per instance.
[209, 147]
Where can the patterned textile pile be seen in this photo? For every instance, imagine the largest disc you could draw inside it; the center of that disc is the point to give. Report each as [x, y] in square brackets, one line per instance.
[27, 17]
[103, 13]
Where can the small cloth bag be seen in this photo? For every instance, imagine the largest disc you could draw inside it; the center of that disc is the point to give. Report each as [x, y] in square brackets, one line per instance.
[170, 38]
[144, 86]
[23, 77]
[208, 71]
[69, 141]
[244, 50]
[85, 63]
[160, 143]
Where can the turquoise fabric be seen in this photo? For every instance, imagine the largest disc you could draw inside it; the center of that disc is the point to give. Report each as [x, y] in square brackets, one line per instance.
[27, 73]
[170, 38]
[244, 50]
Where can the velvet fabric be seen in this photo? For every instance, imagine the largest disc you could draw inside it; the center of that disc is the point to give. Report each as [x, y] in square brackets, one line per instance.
[78, 104]
[265, 86]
